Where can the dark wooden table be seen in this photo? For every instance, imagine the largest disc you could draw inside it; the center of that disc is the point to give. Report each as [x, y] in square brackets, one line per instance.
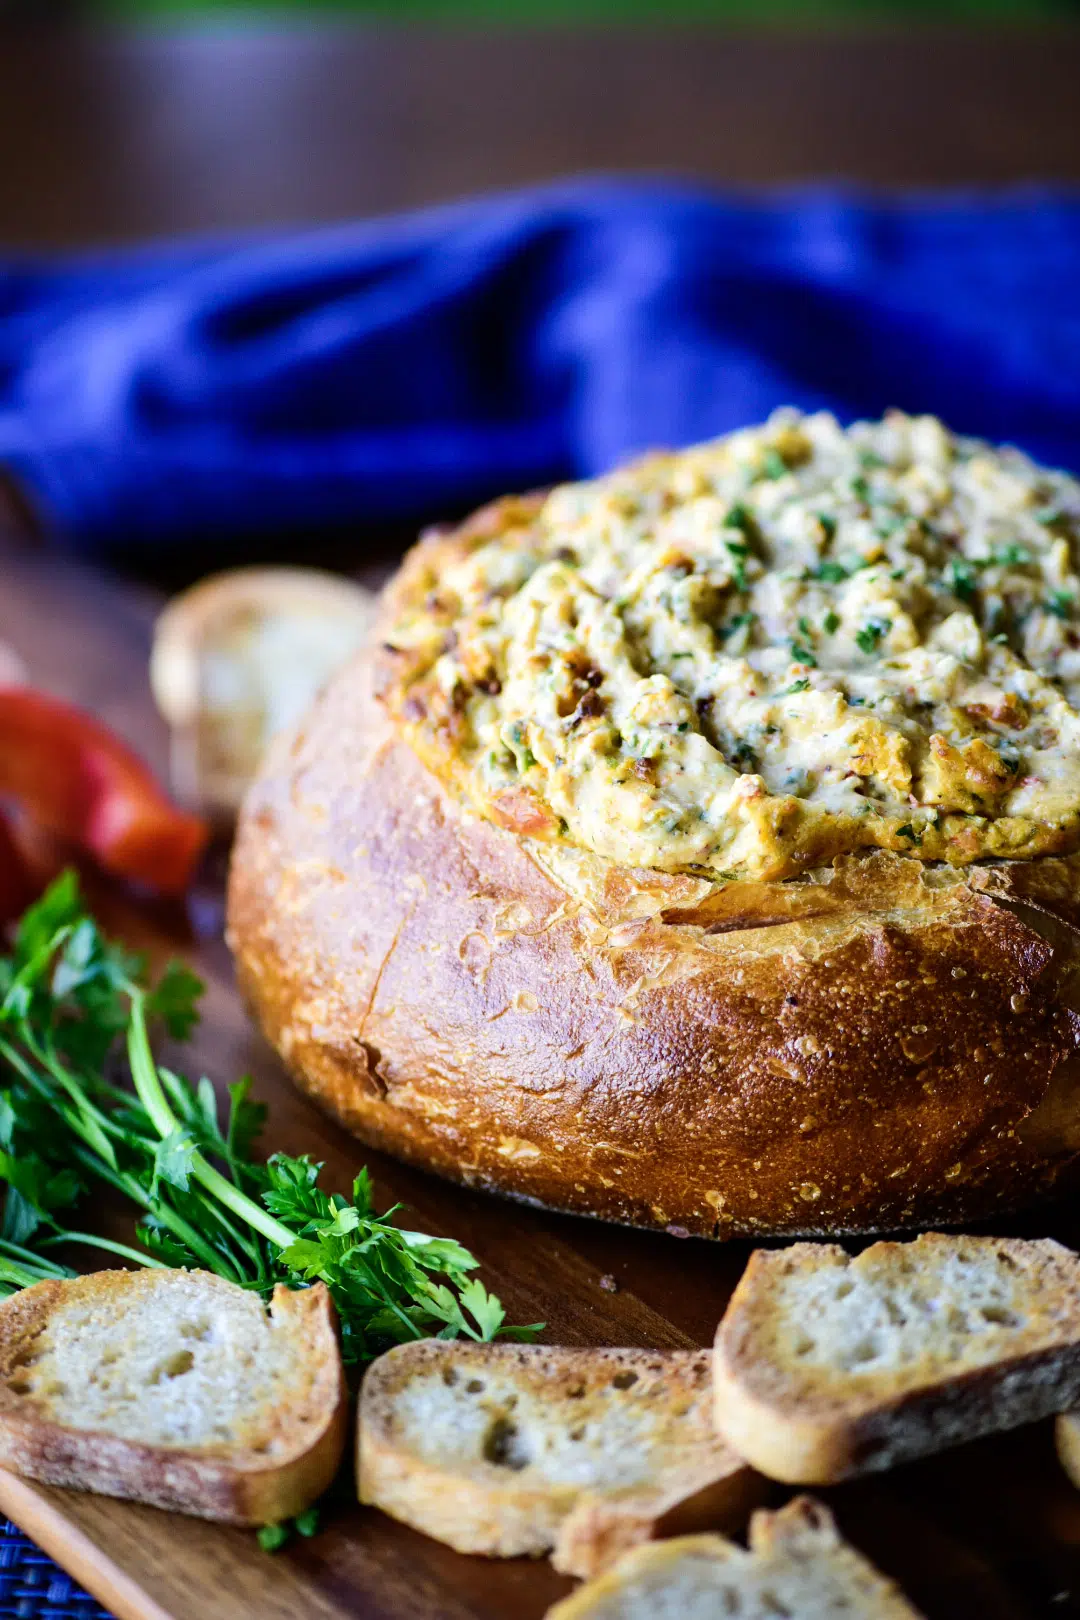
[107, 136]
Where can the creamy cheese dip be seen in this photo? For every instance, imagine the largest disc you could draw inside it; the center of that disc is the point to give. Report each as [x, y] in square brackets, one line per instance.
[752, 655]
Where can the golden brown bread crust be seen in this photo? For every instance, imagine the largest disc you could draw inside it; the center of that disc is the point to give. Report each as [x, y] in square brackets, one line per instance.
[878, 1046]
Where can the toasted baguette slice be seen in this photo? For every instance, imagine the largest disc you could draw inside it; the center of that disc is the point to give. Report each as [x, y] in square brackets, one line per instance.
[174, 1388]
[798, 1564]
[238, 658]
[511, 1449]
[828, 1366]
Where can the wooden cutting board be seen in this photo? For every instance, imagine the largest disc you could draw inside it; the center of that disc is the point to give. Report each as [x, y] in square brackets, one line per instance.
[987, 1532]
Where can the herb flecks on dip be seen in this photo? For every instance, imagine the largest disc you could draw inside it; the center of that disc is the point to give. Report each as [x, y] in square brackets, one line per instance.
[753, 655]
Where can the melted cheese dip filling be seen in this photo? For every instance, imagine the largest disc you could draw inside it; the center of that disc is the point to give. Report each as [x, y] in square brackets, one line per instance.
[752, 655]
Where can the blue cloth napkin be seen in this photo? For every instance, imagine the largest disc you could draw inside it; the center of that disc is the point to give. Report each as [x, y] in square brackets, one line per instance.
[405, 367]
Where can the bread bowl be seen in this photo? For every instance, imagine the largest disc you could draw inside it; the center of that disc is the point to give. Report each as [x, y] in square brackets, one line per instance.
[778, 960]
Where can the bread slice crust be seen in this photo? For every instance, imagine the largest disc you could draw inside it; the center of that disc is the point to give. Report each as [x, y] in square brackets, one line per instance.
[797, 1563]
[290, 1458]
[879, 1045]
[827, 1367]
[505, 1450]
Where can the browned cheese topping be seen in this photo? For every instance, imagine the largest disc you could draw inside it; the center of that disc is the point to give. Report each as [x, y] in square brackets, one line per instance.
[748, 657]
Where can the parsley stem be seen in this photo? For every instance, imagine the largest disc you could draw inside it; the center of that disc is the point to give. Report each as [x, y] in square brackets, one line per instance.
[241, 1204]
[47, 1267]
[122, 1249]
[212, 1258]
[30, 971]
[73, 1116]
[96, 1154]
[20, 1276]
[202, 1195]
[152, 1096]
[96, 1125]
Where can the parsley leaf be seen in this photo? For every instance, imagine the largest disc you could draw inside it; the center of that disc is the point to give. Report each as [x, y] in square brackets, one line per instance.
[741, 621]
[871, 633]
[173, 1159]
[307, 1523]
[175, 1000]
[1010, 556]
[961, 578]
[833, 573]
[59, 908]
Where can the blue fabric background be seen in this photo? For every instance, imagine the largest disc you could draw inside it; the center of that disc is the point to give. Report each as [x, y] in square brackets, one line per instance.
[398, 368]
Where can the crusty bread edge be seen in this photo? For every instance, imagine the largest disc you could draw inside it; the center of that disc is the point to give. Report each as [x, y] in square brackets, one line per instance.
[600, 1530]
[830, 1443]
[182, 625]
[791, 1532]
[803, 1521]
[240, 1489]
[1067, 1442]
[579, 1605]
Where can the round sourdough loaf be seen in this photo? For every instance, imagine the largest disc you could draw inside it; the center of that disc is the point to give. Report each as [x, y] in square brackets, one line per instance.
[874, 1046]
[872, 1040]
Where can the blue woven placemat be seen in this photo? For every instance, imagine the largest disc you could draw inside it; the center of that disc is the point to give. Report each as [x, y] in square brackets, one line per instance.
[32, 1587]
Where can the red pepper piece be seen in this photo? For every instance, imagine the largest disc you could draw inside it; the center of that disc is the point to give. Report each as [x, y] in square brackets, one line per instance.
[75, 779]
[15, 888]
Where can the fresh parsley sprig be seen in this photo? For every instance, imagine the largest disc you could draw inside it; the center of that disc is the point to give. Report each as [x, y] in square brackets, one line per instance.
[73, 1003]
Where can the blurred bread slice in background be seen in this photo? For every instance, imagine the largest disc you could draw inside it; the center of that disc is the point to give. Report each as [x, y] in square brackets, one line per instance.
[238, 658]
[797, 1565]
[12, 668]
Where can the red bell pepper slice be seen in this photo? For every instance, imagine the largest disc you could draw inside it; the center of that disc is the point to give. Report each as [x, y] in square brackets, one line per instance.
[69, 774]
[16, 890]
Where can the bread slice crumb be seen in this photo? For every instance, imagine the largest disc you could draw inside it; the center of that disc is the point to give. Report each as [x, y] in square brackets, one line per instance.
[510, 1449]
[829, 1366]
[175, 1388]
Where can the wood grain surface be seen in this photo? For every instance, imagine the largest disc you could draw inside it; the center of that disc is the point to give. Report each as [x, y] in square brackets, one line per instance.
[988, 1532]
